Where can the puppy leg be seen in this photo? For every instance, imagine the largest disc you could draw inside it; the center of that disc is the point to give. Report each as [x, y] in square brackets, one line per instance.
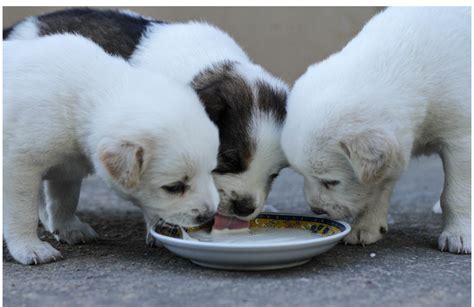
[43, 213]
[437, 208]
[20, 209]
[456, 201]
[151, 242]
[149, 239]
[371, 224]
[62, 198]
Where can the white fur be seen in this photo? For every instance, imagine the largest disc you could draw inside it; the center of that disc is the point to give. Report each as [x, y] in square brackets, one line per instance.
[27, 29]
[437, 208]
[400, 88]
[182, 50]
[69, 110]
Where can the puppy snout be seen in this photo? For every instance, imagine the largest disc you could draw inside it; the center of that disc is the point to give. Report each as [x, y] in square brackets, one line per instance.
[205, 216]
[318, 211]
[243, 206]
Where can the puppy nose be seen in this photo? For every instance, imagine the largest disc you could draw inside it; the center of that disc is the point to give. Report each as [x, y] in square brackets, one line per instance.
[318, 211]
[243, 206]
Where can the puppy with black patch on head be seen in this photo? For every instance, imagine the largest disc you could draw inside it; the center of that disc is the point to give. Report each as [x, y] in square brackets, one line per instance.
[247, 103]
[399, 89]
[70, 110]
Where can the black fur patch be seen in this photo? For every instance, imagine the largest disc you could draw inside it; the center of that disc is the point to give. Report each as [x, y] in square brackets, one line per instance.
[7, 31]
[117, 33]
[228, 100]
[272, 100]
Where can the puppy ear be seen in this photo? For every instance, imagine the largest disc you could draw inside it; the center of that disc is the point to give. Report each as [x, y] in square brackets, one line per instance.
[123, 160]
[373, 155]
[220, 88]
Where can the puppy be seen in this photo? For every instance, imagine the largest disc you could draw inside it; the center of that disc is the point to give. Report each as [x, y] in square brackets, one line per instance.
[400, 88]
[247, 104]
[71, 110]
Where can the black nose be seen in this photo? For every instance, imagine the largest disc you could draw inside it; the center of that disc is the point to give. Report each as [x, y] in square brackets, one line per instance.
[243, 206]
[318, 211]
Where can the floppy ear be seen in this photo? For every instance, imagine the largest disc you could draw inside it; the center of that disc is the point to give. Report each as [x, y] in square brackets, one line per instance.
[219, 88]
[123, 160]
[372, 154]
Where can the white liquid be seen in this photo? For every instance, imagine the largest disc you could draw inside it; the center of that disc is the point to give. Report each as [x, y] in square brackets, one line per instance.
[254, 236]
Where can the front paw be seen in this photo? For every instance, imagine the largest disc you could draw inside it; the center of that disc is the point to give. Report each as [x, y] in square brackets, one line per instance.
[151, 241]
[365, 234]
[33, 252]
[456, 241]
[74, 232]
[437, 208]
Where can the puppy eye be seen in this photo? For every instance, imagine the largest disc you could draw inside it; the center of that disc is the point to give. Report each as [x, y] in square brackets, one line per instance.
[175, 188]
[329, 183]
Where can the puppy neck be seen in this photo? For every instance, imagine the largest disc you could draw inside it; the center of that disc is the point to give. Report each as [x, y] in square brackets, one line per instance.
[183, 50]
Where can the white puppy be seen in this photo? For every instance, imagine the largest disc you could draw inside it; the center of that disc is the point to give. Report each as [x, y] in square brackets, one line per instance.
[69, 110]
[399, 89]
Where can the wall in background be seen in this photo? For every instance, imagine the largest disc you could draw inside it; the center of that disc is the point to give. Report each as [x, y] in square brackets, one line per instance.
[283, 40]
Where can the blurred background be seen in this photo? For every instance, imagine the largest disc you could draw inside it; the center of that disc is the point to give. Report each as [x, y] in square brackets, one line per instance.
[283, 40]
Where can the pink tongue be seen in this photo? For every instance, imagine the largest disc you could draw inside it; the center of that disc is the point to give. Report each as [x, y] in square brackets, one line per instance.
[229, 222]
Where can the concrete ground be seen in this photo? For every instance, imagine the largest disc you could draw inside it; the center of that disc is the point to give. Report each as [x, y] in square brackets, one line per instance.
[120, 270]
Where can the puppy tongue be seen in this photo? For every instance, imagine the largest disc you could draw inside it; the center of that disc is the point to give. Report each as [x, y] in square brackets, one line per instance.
[229, 222]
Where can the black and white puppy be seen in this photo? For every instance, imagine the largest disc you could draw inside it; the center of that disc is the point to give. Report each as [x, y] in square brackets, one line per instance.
[246, 102]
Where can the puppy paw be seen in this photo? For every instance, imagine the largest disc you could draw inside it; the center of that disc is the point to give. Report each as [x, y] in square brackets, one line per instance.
[151, 241]
[365, 234]
[34, 252]
[455, 241]
[74, 232]
[437, 208]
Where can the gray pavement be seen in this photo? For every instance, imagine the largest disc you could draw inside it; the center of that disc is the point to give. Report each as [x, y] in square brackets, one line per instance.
[120, 269]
